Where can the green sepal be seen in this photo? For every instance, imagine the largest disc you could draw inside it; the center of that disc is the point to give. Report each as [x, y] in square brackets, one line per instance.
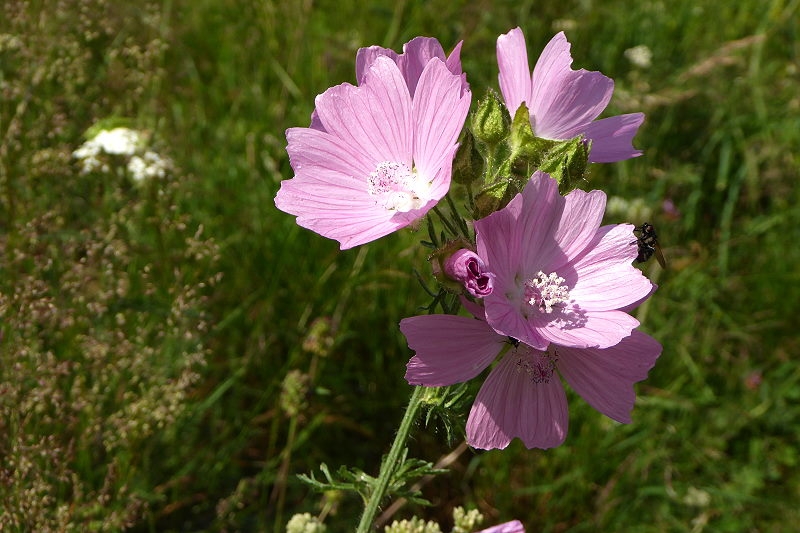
[468, 164]
[495, 196]
[567, 162]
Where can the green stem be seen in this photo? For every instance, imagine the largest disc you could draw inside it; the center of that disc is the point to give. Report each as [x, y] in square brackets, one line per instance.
[390, 464]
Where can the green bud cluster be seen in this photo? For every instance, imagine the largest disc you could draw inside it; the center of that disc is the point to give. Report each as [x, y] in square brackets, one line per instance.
[499, 153]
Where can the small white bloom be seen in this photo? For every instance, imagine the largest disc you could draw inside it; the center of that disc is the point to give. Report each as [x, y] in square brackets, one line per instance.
[119, 141]
[148, 166]
[641, 56]
[88, 156]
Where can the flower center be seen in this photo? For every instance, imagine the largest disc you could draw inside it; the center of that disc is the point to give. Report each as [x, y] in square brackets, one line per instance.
[397, 188]
[539, 366]
[546, 291]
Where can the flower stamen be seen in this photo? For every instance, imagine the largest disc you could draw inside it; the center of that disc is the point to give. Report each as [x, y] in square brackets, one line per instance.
[546, 291]
[397, 188]
[539, 366]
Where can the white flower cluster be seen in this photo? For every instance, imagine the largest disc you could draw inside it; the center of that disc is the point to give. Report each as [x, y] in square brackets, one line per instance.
[641, 56]
[128, 146]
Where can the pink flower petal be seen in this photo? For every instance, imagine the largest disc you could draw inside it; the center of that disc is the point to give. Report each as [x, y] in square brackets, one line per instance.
[454, 65]
[588, 329]
[312, 151]
[605, 378]
[449, 349]
[515, 74]
[375, 118]
[561, 98]
[505, 317]
[605, 277]
[439, 111]
[515, 526]
[416, 55]
[366, 56]
[612, 138]
[511, 240]
[583, 212]
[510, 405]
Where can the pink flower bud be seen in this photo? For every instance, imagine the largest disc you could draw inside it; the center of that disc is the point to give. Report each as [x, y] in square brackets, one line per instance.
[468, 269]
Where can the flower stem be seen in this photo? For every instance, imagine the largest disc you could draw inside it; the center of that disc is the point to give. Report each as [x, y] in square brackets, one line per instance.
[390, 464]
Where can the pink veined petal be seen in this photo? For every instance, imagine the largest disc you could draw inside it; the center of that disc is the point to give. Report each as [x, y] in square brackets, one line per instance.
[473, 308]
[374, 118]
[630, 307]
[326, 210]
[510, 240]
[612, 138]
[583, 212]
[515, 526]
[416, 54]
[495, 243]
[536, 230]
[316, 123]
[503, 314]
[515, 73]
[439, 111]
[510, 405]
[440, 182]
[454, 65]
[366, 56]
[605, 378]
[563, 99]
[312, 151]
[588, 329]
[605, 276]
[449, 349]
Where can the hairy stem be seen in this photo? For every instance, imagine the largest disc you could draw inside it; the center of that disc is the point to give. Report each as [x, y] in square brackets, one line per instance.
[390, 464]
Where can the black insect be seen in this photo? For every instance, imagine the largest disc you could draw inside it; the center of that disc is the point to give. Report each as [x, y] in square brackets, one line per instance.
[514, 342]
[647, 240]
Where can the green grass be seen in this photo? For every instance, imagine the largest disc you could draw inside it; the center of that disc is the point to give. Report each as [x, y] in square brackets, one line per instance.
[713, 446]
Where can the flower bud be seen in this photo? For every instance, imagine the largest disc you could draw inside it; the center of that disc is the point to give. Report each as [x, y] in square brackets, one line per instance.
[466, 267]
[491, 121]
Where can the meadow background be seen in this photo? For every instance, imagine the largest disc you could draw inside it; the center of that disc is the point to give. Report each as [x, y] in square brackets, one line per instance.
[147, 330]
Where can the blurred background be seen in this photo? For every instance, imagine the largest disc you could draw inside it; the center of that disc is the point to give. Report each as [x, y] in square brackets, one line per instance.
[174, 350]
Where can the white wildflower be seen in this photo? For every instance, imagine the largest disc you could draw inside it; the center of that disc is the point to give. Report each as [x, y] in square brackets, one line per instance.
[119, 141]
[148, 166]
[641, 56]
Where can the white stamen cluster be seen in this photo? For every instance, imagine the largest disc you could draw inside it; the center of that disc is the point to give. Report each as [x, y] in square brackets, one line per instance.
[546, 291]
[396, 187]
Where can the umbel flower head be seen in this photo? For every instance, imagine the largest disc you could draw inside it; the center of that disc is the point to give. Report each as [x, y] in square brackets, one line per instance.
[523, 396]
[564, 103]
[379, 158]
[558, 276]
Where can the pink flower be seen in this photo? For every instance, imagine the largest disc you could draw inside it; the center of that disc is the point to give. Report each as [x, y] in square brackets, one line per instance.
[559, 277]
[381, 157]
[564, 103]
[523, 396]
[515, 526]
